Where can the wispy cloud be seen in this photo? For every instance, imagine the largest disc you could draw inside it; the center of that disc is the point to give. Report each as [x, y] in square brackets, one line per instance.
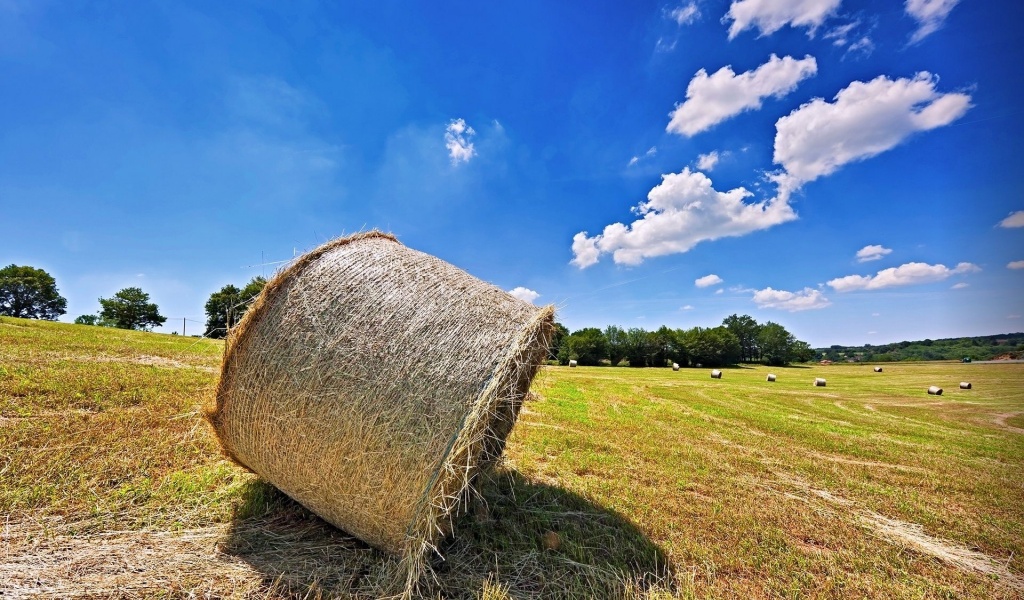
[457, 139]
[711, 99]
[805, 299]
[680, 212]
[929, 14]
[707, 281]
[864, 120]
[684, 14]
[913, 273]
[653, 150]
[959, 286]
[769, 16]
[873, 252]
[1017, 264]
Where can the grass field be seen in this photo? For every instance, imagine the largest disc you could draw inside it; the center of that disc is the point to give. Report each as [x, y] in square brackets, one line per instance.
[634, 483]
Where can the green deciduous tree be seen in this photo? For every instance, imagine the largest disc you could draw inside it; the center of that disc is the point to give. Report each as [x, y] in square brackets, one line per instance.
[586, 346]
[557, 339]
[226, 306]
[87, 320]
[712, 347]
[616, 339]
[746, 329]
[130, 308]
[29, 293]
[776, 344]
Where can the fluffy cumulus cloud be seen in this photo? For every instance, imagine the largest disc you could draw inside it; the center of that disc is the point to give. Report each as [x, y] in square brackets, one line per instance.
[865, 119]
[872, 252]
[1015, 219]
[457, 138]
[805, 299]
[909, 274]
[707, 162]
[1017, 264]
[711, 99]
[707, 281]
[680, 212]
[685, 14]
[524, 294]
[771, 15]
[929, 14]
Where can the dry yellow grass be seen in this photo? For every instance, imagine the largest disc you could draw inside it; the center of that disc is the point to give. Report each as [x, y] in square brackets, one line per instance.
[658, 484]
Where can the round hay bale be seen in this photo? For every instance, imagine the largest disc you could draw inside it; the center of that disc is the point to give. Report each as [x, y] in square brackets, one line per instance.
[770, 377]
[935, 390]
[716, 374]
[572, 363]
[372, 382]
[675, 366]
[965, 385]
[878, 369]
[819, 382]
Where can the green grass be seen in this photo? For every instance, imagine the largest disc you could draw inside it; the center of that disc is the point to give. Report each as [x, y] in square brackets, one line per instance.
[654, 483]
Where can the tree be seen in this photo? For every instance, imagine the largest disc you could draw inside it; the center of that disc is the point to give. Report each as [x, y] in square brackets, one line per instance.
[87, 320]
[616, 338]
[639, 347]
[130, 308]
[745, 329]
[802, 352]
[557, 339]
[586, 346]
[712, 347]
[226, 307]
[776, 344]
[30, 293]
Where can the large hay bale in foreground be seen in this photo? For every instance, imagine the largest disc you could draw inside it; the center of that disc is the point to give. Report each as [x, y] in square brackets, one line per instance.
[371, 382]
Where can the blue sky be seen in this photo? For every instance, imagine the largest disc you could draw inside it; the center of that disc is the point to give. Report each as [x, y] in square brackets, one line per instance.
[851, 170]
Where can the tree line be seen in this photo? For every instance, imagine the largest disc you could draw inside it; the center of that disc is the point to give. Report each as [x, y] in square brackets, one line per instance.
[737, 339]
[30, 293]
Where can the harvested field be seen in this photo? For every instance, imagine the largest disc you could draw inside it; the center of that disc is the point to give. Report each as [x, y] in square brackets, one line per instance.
[652, 484]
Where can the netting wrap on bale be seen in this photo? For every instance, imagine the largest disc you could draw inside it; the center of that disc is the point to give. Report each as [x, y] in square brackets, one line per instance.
[372, 382]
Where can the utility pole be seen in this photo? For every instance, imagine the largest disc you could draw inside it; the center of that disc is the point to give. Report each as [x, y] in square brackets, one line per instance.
[183, 327]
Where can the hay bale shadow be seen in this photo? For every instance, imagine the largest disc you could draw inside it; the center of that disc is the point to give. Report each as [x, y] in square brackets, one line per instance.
[524, 538]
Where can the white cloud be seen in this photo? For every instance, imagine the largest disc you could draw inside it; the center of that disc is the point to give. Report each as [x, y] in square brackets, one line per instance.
[771, 15]
[806, 299]
[707, 162]
[959, 286]
[913, 273]
[456, 139]
[685, 14]
[864, 120]
[707, 281]
[719, 291]
[872, 252]
[650, 152]
[524, 294]
[1015, 219]
[680, 212]
[1012, 316]
[687, 307]
[1017, 264]
[711, 99]
[929, 14]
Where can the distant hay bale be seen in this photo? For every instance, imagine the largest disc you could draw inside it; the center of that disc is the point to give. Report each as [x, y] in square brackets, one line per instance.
[935, 390]
[372, 383]
[771, 377]
[878, 369]
[819, 382]
[675, 366]
[965, 385]
[716, 374]
[572, 363]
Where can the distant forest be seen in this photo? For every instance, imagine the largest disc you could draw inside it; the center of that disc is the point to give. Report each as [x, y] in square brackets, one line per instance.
[986, 347]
